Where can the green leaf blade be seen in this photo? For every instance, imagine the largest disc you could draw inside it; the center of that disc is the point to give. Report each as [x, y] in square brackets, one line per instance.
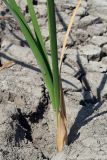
[35, 24]
[40, 56]
[54, 54]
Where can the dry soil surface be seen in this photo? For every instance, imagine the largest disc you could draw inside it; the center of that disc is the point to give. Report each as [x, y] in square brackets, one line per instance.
[27, 126]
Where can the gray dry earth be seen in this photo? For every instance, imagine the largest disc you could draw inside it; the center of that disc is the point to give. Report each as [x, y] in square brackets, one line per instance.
[27, 129]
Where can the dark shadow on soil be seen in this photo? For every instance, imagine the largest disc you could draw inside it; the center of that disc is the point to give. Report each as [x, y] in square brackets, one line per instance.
[65, 26]
[23, 64]
[70, 83]
[23, 129]
[38, 115]
[7, 47]
[1, 64]
[22, 42]
[69, 65]
[61, 19]
[101, 86]
[2, 25]
[35, 117]
[88, 106]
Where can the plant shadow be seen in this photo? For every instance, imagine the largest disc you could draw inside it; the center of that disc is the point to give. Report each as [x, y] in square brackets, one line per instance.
[22, 42]
[23, 129]
[23, 64]
[89, 106]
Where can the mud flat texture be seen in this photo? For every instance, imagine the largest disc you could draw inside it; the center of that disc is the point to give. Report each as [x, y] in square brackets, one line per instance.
[27, 129]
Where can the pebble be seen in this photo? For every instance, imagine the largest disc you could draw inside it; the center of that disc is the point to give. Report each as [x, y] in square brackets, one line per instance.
[93, 66]
[99, 40]
[91, 51]
[98, 8]
[89, 20]
[96, 29]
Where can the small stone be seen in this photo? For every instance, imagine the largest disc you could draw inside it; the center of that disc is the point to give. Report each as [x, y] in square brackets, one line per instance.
[81, 11]
[99, 40]
[81, 35]
[92, 52]
[72, 57]
[93, 66]
[88, 20]
[98, 8]
[96, 29]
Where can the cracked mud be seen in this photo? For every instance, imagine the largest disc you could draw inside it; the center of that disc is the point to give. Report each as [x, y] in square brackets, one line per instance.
[27, 126]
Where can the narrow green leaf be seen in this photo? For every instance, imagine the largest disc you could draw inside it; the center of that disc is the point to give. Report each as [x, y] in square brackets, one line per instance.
[40, 56]
[54, 54]
[36, 25]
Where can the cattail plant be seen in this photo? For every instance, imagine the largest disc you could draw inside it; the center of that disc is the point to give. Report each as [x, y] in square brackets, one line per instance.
[51, 71]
